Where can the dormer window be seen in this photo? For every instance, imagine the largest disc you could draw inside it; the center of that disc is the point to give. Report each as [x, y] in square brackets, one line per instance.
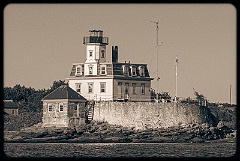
[141, 71]
[78, 70]
[103, 70]
[133, 70]
[125, 70]
[90, 53]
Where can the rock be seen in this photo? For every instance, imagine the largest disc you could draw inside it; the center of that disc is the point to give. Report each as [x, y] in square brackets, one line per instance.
[226, 129]
[197, 140]
[112, 139]
[80, 130]
[39, 135]
[220, 124]
[70, 131]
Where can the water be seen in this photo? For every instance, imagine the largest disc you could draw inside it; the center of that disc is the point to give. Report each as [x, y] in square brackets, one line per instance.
[112, 150]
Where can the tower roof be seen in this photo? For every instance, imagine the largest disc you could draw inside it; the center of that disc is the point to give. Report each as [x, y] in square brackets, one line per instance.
[65, 92]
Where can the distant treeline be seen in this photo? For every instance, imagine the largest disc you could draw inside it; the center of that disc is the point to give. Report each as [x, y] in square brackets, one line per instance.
[27, 98]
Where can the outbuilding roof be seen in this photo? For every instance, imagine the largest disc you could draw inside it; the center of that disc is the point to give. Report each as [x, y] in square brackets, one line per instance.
[9, 104]
[64, 92]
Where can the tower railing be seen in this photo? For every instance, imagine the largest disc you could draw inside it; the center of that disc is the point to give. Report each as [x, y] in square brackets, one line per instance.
[95, 39]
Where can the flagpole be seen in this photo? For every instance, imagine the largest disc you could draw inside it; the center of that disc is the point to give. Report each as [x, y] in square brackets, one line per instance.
[176, 64]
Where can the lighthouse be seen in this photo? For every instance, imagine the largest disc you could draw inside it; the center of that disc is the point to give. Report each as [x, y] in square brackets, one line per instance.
[95, 51]
[97, 79]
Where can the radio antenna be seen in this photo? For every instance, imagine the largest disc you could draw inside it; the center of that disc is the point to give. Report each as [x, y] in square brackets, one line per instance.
[157, 28]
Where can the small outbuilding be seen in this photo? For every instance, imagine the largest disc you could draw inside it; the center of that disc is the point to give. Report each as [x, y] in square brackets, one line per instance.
[10, 107]
[63, 107]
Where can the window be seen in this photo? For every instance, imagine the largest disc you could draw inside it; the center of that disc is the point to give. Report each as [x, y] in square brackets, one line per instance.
[90, 53]
[120, 87]
[90, 70]
[142, 88]
[103, 69]
[134, 88]
[90, 87]
[13, 112]
[75, 108]
[78, 87]
[134, 71]
[49, 108]
[60, 107]
[102, 87]
[141, 71]
[78, 70]
[125, 70]
[103, 55]
[126, 88]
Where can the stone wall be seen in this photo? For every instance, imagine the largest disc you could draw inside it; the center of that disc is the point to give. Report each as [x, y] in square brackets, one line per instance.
[68, 117]
[55, 117]
[143, 115]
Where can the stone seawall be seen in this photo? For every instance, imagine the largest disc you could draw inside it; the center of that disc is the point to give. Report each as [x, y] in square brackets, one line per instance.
[142, 115]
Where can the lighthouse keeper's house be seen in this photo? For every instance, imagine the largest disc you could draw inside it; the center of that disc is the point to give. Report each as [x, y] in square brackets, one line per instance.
[96, 79]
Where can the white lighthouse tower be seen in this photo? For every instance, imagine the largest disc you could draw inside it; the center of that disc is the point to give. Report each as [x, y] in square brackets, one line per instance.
[95, 51]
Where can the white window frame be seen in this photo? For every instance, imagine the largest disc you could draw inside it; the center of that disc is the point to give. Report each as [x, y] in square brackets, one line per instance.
[49, 107]
[134, 71]
[125, 70]
[59, 106]
[90, 72]
[75, 108]
[90, 83]
[141, 71]
[134, 86]
[143, 86]
[102, 54]
[103, 72]
[120, 89]
[80, 70]
[78, 87]
[126, 88]
[104, 87]
[90, 53]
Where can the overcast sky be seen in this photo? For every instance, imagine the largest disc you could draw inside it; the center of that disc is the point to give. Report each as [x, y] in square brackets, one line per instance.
[42, 41]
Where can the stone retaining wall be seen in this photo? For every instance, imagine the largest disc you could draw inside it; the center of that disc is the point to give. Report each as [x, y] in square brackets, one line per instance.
[142, 115]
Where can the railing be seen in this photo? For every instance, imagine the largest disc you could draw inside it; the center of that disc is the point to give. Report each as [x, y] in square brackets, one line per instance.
[119, 97]
[94, 39]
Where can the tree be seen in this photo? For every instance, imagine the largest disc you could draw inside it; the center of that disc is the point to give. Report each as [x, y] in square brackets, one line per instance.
[55, 85]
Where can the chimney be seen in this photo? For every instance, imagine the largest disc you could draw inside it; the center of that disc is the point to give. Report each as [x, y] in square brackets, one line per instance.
[114, 54]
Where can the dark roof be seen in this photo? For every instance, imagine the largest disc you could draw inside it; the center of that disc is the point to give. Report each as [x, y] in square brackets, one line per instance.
[64, 92]
[116, 69]
[9, 104]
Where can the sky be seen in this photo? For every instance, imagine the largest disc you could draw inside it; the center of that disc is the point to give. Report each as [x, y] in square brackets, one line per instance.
[42, 41]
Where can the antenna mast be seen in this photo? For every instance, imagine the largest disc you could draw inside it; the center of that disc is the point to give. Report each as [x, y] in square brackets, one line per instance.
[230, 93]
[157, 28]
[176, 65]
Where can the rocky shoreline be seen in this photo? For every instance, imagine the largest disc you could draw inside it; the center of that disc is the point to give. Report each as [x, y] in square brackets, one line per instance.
[102, 132]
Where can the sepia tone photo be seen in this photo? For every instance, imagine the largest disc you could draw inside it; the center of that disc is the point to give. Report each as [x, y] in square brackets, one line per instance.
[119, 80]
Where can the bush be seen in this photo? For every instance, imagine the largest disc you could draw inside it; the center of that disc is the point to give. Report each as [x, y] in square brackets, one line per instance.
[26, 119]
